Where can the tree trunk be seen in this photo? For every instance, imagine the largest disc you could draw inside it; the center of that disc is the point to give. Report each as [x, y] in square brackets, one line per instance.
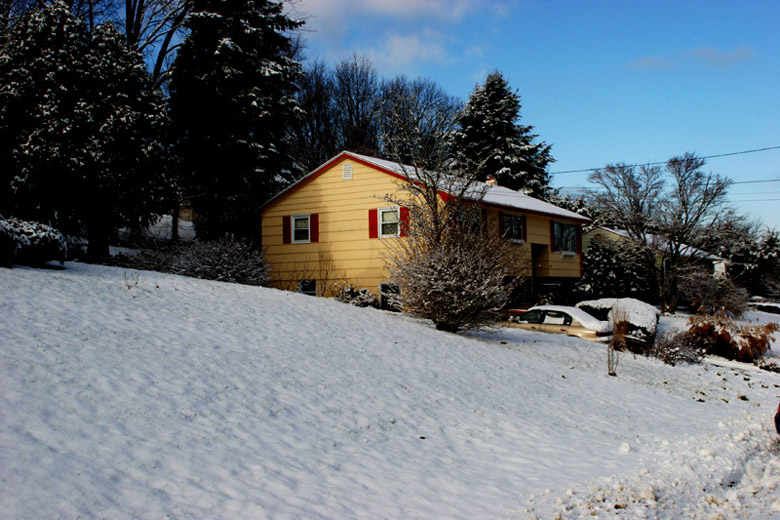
[175, 222]
[98, 235]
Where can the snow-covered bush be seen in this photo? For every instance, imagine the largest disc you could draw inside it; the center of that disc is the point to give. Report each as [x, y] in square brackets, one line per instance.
[674, 347]
[30, 243]
[161, 258]
[618, 269]
[719, 334]
[357, 297]
[642, 317]
[228, 259]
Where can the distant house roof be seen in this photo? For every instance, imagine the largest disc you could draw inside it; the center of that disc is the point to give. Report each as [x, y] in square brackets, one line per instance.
[660, 243]
[497, 196]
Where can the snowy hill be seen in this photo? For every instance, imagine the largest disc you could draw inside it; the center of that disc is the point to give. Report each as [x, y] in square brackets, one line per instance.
[130, 394]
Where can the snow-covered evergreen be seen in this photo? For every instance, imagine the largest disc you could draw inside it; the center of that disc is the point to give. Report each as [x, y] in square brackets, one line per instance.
[618, 269]
[232, 104]
[79, 130]
[490, 139]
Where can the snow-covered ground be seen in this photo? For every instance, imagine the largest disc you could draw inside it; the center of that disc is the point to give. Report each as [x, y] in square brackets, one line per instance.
[129, 394]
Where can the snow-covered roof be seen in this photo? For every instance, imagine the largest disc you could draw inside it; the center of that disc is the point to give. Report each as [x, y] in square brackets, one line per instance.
[661, 243]
[493, 195]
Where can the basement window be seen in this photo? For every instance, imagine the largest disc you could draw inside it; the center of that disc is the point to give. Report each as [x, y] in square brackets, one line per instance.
[308, 287]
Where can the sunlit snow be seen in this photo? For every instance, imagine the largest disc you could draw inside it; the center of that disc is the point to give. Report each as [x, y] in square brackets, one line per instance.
[132, 394]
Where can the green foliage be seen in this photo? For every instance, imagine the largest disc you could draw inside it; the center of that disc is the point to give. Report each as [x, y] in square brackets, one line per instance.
[232, 105]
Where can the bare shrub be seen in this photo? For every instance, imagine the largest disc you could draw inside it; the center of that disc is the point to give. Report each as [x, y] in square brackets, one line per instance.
[356, 297]
[769, 366]
[719, 334]
[676, 347]
[706, 293]
[228, 260]
[618, 341]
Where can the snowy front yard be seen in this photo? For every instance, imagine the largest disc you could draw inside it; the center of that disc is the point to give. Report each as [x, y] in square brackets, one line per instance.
[127, 394]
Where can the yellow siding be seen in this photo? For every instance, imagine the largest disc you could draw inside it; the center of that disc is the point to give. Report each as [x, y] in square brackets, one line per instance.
[598, 234]
[345, 254]
[344, 251]
[557, 264]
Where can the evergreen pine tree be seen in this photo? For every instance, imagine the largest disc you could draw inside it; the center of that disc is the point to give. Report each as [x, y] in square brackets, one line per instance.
[232, 105]
[79, 131]
[490, 139]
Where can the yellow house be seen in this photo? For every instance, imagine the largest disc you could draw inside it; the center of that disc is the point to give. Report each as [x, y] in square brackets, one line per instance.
[331, 228]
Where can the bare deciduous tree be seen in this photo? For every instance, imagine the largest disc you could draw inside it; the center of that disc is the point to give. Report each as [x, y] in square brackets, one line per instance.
[315, 133]
[630, 197]
[151, 27]
[673, 219]
[413, 117]
[356, 87]
[450, 268]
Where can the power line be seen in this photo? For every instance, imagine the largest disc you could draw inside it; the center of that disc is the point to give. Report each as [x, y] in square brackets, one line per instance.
[664, 162]
[755, 200]
[754, 182]
[754, 193]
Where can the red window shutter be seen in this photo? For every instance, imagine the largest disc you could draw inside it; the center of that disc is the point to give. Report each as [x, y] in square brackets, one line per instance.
[552, 236]
[314, 227]
[404, 216]
[286, 230]
[525, 229]
[501, 227]
[373, 228]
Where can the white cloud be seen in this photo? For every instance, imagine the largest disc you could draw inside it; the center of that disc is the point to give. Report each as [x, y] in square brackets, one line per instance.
[447, 10]
[400, 52]
[707, 55]
[651, 62]
[722, 59]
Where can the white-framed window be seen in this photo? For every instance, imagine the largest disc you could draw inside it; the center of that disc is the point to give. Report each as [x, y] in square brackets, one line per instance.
[308, 287]
[513, 227]
[389, 221]
[301, 229]
[565, 238]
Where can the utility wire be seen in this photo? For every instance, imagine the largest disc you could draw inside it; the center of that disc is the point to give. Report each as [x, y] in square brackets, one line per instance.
[664, 162]
[753, 182]
[754, 193]
[755, 200]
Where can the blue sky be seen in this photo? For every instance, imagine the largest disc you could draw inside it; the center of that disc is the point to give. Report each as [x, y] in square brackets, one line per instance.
[602, 81]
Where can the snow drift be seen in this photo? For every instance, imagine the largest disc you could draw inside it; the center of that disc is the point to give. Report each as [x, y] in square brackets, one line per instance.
[130, 394]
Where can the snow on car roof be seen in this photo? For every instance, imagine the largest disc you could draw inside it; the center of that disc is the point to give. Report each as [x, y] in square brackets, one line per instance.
[585, 319]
